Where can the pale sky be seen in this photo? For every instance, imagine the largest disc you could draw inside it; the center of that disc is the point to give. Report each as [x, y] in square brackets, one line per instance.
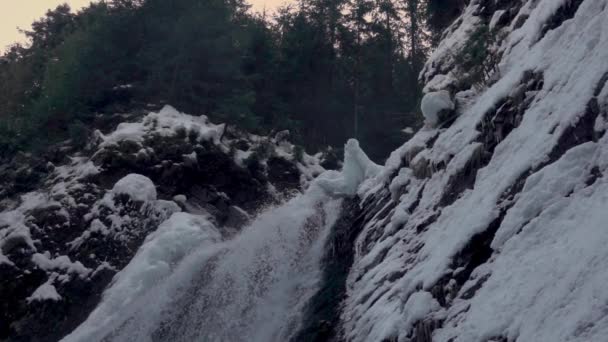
[21, 13]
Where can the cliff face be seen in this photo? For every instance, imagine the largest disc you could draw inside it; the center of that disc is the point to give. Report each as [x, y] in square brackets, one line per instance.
[490, 224]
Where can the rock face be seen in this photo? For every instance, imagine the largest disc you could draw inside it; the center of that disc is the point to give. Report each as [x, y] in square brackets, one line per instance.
[492, 227]
[68, 224]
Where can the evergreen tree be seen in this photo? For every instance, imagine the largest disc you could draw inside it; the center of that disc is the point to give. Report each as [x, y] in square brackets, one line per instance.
[326, 69]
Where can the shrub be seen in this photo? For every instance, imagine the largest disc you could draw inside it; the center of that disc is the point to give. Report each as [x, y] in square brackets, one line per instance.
[476, 62]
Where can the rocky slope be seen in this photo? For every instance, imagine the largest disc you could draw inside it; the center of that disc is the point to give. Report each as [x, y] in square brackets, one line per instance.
[490, 224]
[69, 221]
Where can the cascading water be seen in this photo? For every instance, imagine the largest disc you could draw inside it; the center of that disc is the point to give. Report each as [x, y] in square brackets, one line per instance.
[251, 288]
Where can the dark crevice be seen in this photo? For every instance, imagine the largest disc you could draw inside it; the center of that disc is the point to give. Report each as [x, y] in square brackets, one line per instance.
[416, 203]
[423, 330]
[499, 122]
[380, 211]
[594, 175]
[477, 251]
[431, 142]
[462, 180]
[600, 85]
[322, 314]
[578, 133]
[508, 113]
[520, 21]
[565, 12]
[421, 227]
[470, 292]
[492, 6]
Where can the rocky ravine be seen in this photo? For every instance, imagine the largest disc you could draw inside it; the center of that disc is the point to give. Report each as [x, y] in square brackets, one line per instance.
[488, 225]
[69, 223]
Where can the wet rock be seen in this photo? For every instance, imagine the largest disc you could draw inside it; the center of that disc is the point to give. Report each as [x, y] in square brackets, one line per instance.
[283, 174]
[237, 217]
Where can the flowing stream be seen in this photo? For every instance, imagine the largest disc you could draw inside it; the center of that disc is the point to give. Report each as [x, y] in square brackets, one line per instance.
[251, 288]
[185, 284]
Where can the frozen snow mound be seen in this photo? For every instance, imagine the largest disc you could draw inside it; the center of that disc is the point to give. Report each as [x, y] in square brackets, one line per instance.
[137, 187]
[356, 169]
[433, 104]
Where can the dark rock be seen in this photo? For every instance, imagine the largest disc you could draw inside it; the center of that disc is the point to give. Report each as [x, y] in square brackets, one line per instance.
[283, 174]
[321, 317]
[564, 12]
[521, 20]
[237, 217]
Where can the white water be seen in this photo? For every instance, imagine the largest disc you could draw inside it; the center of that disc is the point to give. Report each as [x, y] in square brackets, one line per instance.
[186, 285]
[251, 288]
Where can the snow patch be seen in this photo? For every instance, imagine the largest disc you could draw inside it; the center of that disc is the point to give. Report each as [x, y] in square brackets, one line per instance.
[44, 292]
[62, 262]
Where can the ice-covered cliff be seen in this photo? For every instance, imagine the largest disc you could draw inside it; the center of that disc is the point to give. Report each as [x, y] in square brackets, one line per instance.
[492, 224]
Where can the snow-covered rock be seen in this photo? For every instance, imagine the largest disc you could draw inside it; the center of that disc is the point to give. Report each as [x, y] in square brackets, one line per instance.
[82, 218]
[137, 187]
[435, 103]
[44, 292]
[167, 122]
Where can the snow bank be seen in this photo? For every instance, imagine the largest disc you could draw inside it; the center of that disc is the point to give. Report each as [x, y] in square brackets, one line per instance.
[433, 104]
[137, 187]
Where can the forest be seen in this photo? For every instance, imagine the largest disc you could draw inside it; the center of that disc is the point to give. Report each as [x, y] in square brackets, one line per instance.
[326, 70]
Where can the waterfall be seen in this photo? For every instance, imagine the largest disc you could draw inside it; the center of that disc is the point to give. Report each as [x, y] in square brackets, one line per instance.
[185, 284]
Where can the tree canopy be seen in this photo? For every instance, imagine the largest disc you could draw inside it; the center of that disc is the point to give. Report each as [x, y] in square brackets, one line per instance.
[326, 70]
